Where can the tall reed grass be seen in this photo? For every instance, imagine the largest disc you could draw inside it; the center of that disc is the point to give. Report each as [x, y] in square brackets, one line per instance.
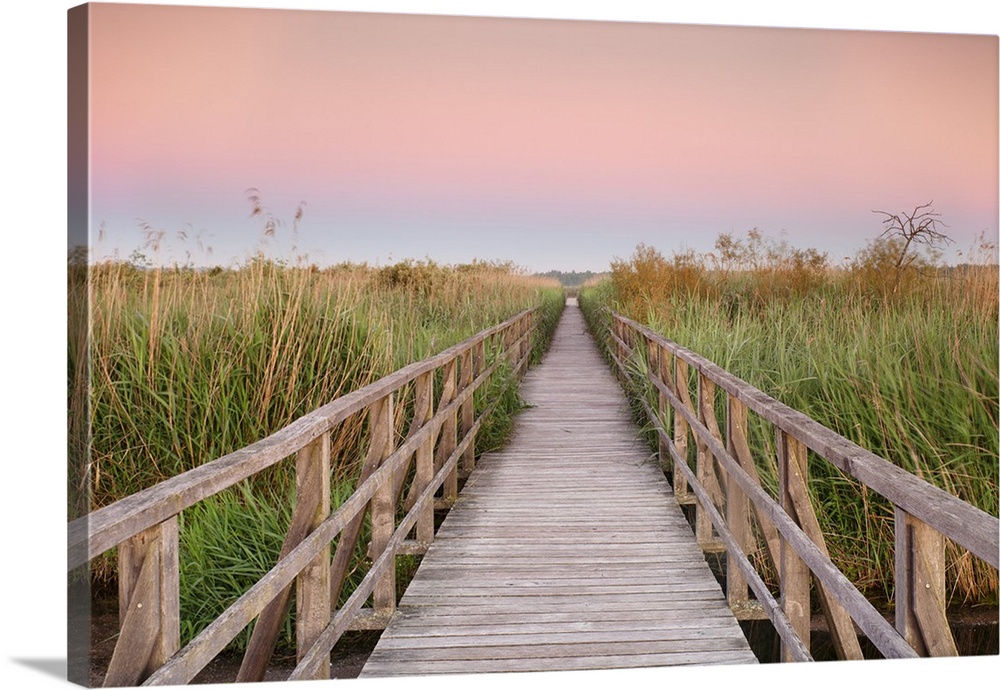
[188, 365]
[903, 365]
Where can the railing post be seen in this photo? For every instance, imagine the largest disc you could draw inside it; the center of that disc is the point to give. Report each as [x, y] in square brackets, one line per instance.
[148, 604]
[522, 330]
[377, 451]
[449, 429]
[312, 598]
[508, 344]
[705, 468]
[681, 428]
[525, 347]
[652, 358]
[793, 572]
[920, 587]
[468, 410]
[424, 411]
[384, 508]
[618, 329]
[737, 505]
[663, 373]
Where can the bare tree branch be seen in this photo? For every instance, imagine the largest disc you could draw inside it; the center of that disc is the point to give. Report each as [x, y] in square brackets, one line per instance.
[920, 227]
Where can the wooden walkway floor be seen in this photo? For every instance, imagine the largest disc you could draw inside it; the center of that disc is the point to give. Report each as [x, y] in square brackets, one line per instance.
[565, 551]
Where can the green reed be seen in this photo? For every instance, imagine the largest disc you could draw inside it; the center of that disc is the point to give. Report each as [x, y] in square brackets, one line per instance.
[186, 366]
[910, 375]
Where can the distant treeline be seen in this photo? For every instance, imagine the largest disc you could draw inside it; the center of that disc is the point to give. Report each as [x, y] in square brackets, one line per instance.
[569, 278]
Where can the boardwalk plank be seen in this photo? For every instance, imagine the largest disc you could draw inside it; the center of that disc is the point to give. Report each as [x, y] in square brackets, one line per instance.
[565, 550]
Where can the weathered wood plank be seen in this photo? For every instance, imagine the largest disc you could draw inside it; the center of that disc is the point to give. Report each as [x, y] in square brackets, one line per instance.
[383, 510]
[570, 528]
[970, 527]
[428, 624]
[870, 621]
[312, 489]
[93, 534]
[793, 572]
[423, 411]
[312, 594]
[377, 667]
[920, 587]
[140, 625]
[737, 506]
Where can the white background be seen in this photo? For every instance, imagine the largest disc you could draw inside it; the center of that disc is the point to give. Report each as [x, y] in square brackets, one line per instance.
[32, 251]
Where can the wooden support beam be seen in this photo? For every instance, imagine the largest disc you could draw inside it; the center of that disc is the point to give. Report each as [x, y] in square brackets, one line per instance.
[383, 509]
[349, 537]
[737, 508]
[920, 587]
[312, 593]
[424, 409]
[468, 413]
[663, 374]
[309, 503]
[705, 469]
[681, 426]
[793, 572]
[741, 453]
[148, 604]
[842, 632]
[449, 431]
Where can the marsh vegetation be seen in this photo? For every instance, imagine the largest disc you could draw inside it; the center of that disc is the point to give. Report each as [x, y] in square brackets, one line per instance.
[186, 365]
[897, 355]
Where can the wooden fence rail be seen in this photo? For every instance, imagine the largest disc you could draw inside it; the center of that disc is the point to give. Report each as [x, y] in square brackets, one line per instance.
[726, 491]
[395, 480]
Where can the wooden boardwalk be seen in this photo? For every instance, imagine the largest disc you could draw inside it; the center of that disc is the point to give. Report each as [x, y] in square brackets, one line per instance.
[565, 551]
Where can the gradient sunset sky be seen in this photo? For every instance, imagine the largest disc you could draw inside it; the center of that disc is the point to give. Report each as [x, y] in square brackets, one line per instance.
[556, 144]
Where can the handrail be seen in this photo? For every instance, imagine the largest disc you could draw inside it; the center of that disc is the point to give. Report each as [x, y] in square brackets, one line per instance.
[970, 527]
[95, 533]
[725, 481]
[440, 437]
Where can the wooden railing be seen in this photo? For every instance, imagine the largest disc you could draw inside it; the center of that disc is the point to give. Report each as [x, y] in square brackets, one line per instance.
[438, 444]
[725, 488]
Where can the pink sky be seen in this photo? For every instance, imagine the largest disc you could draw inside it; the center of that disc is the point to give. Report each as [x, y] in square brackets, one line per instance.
[557, 144]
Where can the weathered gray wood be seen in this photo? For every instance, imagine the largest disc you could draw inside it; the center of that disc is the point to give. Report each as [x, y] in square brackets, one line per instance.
[149, 605]
[540, 662]
[793, 573]
[789, 637]
[374, 457]
[920, 587]
[200, 651]
[929, 596]
[680, 388]
[663, 374]
[842, 633]
[312, 594]
[383, 508]
[424, 410]
[707, 466]
[573, 522]
[139, 627]
[382, 480]
[765, 607]
[187, 663]
[737, 507]
[963, 523]
[347, 615]
[741, 452]
[309, 501]
[883, 636]
[468, 409]
[449, 431]
[980, 540]
[93, 534]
